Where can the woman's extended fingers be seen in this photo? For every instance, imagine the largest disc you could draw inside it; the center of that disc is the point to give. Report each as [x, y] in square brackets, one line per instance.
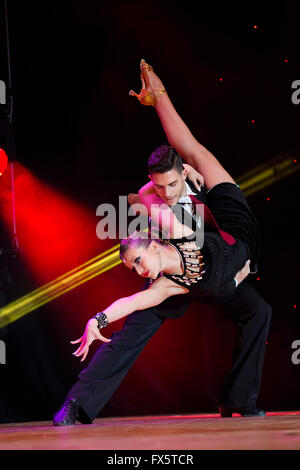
[82, 352]
[85, 354]
[77, 340]
[105, 340]
[85, 344]
[78, 351]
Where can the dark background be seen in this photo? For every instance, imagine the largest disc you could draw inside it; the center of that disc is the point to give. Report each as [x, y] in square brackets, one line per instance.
[77, 131]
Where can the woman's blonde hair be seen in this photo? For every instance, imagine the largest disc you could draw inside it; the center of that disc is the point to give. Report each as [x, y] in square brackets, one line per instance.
[142, 238]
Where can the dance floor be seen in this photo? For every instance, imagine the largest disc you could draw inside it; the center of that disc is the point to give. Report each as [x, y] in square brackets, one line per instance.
[276, 431]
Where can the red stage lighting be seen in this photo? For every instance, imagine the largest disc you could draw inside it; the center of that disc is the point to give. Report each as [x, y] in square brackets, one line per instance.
[3, 161]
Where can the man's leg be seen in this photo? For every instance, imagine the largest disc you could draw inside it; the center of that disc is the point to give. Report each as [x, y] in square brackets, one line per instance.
[253, 316]
[112, 361]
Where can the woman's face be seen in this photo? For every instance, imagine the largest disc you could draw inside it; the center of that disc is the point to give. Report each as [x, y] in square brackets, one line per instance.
[145, 261]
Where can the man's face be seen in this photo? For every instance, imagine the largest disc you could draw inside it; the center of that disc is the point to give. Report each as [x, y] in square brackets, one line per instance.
[169, 185]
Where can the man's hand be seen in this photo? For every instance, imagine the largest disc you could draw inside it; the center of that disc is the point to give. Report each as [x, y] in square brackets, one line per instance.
[133, 199]
[243, 273]
[135, 202]
[195, 177]
[90, 334]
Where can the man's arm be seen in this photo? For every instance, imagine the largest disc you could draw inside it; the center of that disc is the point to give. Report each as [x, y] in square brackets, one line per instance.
[161, 214]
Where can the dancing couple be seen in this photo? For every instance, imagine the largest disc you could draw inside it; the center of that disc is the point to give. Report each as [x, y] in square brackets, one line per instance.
[177, 268]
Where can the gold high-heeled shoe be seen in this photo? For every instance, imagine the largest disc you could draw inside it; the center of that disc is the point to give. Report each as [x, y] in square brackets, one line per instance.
[145, 97]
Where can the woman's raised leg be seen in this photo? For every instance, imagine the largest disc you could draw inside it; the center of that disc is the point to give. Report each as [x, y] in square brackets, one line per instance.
[178, 134]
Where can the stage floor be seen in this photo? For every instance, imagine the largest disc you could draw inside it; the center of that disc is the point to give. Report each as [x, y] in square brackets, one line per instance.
[276, 431]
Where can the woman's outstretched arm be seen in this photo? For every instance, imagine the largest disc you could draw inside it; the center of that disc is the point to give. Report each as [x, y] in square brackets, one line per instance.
[178, 134]
[159, 291]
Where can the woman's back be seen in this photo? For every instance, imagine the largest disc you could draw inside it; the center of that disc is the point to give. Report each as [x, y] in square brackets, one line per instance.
[209, 270]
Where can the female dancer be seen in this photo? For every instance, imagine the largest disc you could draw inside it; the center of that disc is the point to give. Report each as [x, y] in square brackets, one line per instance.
[181, 266]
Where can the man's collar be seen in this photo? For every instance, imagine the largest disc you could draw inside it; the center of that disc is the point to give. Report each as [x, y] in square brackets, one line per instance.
[188, 192]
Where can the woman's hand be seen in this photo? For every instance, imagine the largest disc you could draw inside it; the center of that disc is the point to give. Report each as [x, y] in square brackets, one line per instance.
[243, 273]
[90, 334]
[193, 175]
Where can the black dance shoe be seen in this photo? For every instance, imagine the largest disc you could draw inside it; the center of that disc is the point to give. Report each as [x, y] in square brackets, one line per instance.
[246, 411]
[67, 414]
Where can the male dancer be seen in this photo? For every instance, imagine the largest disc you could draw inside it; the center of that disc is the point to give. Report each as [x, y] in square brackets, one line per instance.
[245, 307]
[112, 360]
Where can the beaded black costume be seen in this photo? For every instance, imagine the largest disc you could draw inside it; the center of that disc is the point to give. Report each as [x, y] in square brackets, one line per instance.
[192, 260]
[209, 270]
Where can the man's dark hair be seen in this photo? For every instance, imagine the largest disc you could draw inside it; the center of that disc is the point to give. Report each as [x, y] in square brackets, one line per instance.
[164, 158]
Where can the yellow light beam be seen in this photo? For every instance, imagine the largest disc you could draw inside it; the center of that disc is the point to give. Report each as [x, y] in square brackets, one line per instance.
[251, 182]
[74, 278]
[268, 173]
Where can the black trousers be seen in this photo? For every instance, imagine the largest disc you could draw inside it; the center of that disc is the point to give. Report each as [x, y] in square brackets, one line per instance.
[112, 361]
